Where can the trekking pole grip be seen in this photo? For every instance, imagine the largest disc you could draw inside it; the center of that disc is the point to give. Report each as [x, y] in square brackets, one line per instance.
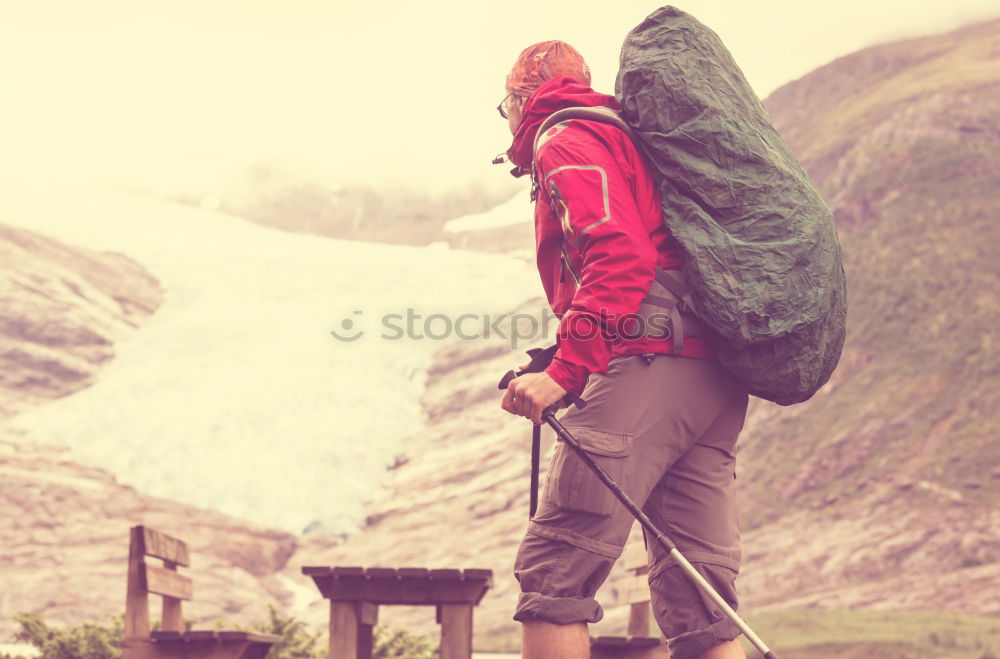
[507, 378]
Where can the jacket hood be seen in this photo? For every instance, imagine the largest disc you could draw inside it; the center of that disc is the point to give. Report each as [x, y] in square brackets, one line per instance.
[554, 94]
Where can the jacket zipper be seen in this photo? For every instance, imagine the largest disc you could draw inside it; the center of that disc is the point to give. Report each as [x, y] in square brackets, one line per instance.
[567, 266]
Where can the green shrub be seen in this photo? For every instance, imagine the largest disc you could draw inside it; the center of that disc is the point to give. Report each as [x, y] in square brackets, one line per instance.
[96, 641]
[296, 640]
[86, 641]
[400, 644]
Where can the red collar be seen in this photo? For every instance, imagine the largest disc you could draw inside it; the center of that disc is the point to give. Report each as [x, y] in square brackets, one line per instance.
[552, 95]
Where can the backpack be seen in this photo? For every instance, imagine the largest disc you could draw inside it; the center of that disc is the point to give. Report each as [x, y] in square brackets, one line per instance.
[760, 251]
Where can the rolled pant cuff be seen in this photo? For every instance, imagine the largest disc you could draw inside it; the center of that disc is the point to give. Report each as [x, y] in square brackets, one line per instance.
[557, 610]
[692, 644]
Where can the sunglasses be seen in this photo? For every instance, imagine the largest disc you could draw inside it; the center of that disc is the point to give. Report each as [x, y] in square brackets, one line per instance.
[502, 108]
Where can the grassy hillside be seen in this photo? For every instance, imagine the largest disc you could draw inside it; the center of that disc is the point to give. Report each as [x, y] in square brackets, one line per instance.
[873, 502]
[811, 634]
[904, 142]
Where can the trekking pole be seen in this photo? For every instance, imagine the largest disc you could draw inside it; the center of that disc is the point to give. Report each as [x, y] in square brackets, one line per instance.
[550, 418]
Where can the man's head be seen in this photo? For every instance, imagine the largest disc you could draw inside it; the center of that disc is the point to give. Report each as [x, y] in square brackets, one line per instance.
[535, 65]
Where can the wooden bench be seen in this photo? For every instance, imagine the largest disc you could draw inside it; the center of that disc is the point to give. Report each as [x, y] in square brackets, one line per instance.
[634, 591]
[355, 593]
[173, 641]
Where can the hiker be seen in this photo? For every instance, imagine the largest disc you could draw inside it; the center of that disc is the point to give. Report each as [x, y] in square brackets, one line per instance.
[662, 418]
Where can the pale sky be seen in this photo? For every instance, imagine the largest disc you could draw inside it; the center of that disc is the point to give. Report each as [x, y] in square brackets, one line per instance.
[185, 92]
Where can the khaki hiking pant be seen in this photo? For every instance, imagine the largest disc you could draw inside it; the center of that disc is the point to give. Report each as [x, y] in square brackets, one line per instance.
[665, 431]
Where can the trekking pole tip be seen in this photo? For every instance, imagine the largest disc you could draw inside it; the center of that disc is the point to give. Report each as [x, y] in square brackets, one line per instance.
[770, 655]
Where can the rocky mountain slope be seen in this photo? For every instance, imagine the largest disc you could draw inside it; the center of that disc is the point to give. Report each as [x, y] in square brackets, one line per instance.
[273, 197]
[234, 383]
[63, 526]
[64, 541]
[903, 140]
[63, 308]
[882, 491]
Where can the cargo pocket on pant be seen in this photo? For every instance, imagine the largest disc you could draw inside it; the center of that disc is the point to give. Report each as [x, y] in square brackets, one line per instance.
[573, 486]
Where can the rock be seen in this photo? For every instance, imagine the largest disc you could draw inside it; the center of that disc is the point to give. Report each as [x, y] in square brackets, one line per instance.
[64, 527]
[64, 307]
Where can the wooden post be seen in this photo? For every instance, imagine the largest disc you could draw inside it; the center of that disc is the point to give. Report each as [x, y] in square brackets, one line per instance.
[136, 598]
[173, 618]
[636, 560]
[367, 619]
[351, 625]
[456, 630]
[343, 630]
[638, 619]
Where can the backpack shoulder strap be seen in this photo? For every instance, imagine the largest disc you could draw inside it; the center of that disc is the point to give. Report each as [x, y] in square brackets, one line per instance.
[601, 114]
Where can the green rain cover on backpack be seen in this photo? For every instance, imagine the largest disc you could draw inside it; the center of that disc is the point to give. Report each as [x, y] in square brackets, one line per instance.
[759, 245]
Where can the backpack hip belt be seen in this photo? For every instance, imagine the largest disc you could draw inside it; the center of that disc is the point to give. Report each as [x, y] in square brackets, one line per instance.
[670, 292]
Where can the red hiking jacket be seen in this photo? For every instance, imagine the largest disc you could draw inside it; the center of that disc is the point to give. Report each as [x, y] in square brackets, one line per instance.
[597, 215]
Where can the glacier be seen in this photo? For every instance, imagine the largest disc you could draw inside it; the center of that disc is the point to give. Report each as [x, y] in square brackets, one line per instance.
[234, 396]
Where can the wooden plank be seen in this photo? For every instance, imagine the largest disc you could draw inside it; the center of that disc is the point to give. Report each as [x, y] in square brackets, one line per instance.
[456, 631]
[609, 641]
[143, 649]
[383, 585]
[252, 637]
[348, 571]
[164, 546]
[348, 584]
[626, 641]
[449, 586]
[380, 585]
[184, 646]
[478, 574]
[316, 570]
[208, 635]
[482, 577]
[136, 599]
[167, 582]
[414, 585]
[255, 651]
[622, 647]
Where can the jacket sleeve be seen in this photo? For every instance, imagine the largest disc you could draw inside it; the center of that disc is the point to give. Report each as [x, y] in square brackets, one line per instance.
[593, 200]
